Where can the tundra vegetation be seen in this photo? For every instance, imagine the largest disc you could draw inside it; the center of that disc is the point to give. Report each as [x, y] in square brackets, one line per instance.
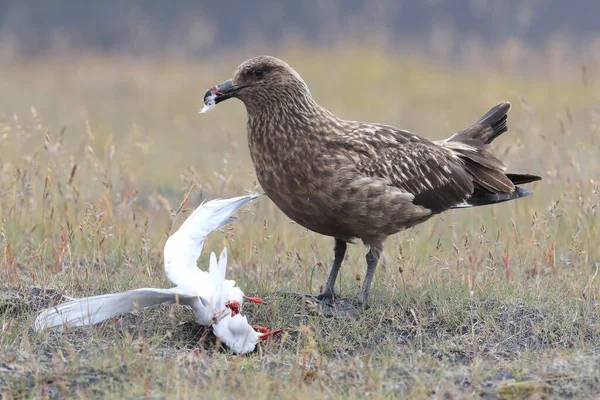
[101, 156]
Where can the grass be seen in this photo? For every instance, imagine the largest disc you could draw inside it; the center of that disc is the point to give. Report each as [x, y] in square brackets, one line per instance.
[97, 154]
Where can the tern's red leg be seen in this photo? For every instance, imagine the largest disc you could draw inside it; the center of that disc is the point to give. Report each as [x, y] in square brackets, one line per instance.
[254, 299]
[266, 335]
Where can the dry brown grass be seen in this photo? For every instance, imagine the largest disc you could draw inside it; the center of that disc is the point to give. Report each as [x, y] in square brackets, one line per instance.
[96, 153]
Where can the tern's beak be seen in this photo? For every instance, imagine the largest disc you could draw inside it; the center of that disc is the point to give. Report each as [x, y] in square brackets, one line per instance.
[234, 306]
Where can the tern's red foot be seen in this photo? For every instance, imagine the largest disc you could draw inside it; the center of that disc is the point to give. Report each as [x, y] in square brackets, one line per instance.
[267, 334]
[260, 328]
[254, 299]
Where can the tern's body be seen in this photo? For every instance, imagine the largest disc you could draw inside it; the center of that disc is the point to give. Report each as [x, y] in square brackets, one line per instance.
[206, 292]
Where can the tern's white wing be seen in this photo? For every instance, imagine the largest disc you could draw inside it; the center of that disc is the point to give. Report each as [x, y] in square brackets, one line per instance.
[95, 309]
[184, 247]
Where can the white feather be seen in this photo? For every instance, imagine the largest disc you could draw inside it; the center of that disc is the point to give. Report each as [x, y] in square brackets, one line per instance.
[209, 103]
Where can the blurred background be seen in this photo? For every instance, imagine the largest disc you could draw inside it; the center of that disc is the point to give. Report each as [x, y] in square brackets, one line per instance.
[198, 29]
[142, 66]
[99, 101]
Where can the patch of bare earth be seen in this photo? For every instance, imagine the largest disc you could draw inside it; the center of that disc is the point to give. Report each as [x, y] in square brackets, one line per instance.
[409, 347]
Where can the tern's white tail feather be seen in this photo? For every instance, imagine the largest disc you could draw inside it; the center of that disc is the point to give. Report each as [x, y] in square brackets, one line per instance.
[184, 247]
[95, 309]
[217, 270]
